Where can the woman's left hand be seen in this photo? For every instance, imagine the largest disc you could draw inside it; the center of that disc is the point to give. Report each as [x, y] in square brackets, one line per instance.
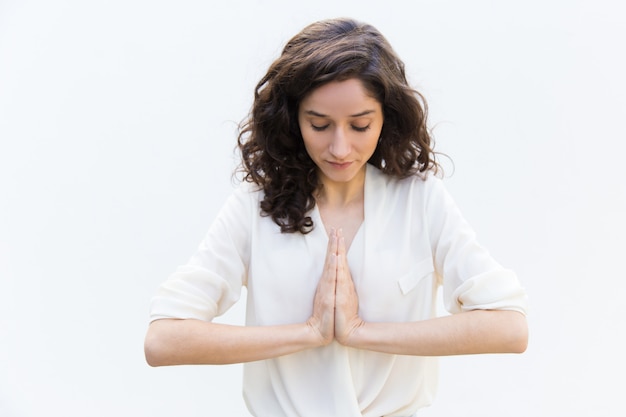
[347, 319]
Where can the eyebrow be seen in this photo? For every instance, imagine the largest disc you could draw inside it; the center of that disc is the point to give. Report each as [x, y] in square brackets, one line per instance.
[316, 114]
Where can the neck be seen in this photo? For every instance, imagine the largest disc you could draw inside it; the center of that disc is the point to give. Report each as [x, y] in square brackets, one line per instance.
[341, 194]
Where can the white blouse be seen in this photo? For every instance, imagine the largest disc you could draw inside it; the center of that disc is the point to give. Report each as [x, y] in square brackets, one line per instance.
[413, 240]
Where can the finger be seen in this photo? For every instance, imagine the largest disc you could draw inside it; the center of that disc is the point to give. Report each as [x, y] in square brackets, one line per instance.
[331, 256]
[330, 264]
[344, 288]
[342, 261]
[333, 241]
[341, 243]
[331, 246]
[330, 272]
[328, 281]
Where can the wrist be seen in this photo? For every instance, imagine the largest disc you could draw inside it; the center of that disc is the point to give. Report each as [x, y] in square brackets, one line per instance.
[314, 337]
[355, 334]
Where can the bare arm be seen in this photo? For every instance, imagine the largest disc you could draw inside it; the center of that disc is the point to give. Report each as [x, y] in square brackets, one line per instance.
[478, 331]
[335, 316]
[178, 342]
[186, 341]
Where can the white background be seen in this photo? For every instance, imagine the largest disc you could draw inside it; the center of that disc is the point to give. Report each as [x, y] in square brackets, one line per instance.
[117, 129]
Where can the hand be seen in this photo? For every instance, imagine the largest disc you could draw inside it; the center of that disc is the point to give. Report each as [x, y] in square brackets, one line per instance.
[347, 318]
[322, 320]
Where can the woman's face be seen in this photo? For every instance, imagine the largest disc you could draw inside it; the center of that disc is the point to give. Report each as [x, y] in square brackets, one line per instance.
[340, 124]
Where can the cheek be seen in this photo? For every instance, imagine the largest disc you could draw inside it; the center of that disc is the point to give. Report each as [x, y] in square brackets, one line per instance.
[310, 145]
[372, 142]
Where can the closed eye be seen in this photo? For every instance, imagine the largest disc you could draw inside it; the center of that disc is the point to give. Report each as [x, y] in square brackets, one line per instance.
[319, 128]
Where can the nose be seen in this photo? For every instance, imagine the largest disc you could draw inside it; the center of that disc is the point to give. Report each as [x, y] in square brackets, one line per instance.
[340, 145]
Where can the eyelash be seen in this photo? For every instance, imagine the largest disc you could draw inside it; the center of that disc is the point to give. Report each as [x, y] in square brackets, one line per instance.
[322, 128]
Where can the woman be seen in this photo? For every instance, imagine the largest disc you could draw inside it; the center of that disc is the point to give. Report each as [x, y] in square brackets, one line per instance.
[342, 235]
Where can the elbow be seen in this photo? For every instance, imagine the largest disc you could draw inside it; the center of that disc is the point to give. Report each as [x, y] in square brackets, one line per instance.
[153, 358]
[152, 353]
[518, 333]
[519, 345]
[154, 348]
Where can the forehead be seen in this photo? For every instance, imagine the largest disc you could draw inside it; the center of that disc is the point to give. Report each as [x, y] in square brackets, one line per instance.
[340, 98]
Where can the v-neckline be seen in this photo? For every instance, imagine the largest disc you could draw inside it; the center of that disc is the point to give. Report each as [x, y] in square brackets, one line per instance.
[317, 216]
[317, 219]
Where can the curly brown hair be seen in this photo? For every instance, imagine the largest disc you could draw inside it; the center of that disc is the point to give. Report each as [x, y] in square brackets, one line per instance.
[272, 150]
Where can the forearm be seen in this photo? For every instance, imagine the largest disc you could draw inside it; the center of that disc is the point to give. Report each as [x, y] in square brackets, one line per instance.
[471, 332]
[186, 342]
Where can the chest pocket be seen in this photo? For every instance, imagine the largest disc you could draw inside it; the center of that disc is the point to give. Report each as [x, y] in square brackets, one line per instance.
[421, 270]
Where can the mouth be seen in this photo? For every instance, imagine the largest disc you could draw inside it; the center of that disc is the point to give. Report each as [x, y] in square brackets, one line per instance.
[340, 165]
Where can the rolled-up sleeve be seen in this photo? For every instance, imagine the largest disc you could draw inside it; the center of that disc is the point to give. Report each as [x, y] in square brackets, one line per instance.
[210, 283]
[471, 278]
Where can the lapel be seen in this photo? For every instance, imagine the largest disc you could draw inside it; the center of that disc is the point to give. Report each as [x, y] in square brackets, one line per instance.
[374, 203]
[374, 197]
[374, 215]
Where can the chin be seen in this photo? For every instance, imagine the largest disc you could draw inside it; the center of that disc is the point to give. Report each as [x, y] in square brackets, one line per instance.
[339, 178]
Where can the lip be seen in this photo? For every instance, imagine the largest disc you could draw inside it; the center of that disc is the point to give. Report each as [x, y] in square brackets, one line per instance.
[340, 165]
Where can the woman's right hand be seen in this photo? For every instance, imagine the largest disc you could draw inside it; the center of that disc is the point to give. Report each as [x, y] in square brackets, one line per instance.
[322, 321]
